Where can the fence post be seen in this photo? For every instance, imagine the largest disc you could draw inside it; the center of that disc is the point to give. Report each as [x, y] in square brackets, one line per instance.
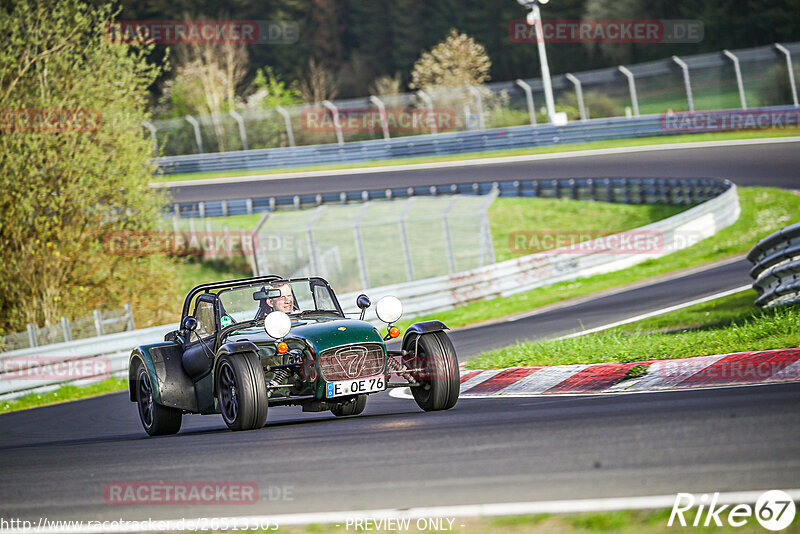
[631, 88]
[287, 122]
[478, 102]
[197, 138]
[382, 110]
[66, 328]
[131, 324]
[153, 137]
[579, 93]
[529, 100]
[686, 81]
[738, 72]
[312, 256]
[790, 68]
[212, 253]
[362, 262]
[242, 132]
[404, 239]
[451, 261]
[429, 104]
[32, 341]
[336, 124]
[98, 322]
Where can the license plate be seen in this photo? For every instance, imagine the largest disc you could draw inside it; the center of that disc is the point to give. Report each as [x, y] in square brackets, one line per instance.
[355, 387]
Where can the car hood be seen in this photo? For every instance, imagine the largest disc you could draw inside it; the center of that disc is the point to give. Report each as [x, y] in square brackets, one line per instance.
[324, 332]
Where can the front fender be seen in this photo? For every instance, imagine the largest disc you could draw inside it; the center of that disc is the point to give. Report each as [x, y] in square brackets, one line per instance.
[230, 348]
[423, 327]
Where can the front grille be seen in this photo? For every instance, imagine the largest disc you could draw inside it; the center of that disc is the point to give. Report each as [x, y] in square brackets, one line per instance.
[352, 361]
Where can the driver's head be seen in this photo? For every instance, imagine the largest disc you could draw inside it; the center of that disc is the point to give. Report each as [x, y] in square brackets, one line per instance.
[285, 301]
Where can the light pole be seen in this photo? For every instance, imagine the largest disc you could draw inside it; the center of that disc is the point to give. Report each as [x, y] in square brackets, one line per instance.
[535, 19]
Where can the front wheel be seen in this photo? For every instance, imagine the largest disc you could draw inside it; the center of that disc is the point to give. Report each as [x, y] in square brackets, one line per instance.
[439, 381]
[353, 406]
[157, 420]
[242, 391]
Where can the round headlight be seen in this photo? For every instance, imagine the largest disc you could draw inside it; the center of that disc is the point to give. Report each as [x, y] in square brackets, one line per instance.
[389, 309]
[277, 324]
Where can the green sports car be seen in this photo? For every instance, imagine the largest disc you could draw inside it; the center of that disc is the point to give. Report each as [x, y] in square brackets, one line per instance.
[247, 345]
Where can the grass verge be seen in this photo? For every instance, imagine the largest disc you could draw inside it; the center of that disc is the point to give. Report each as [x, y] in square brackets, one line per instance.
[764, 210]
[614, 143]
[729, 324]
[64, 393]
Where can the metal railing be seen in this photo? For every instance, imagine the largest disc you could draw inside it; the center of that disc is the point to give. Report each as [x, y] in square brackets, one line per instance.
[100, 323]
[719, 208]
[776, 267]
[739, 79]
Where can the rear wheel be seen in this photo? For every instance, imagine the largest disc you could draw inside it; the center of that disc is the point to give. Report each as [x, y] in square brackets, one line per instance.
[242, 391]
[353, 406]
[157, 420]
[439, 379]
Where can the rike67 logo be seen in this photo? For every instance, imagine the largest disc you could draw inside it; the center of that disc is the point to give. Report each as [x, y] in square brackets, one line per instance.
[774, 510]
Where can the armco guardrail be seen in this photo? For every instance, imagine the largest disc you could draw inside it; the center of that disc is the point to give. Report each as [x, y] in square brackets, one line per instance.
[431, 145]
[776, 267]
[545, 268]
[419, 297]
[618, 190]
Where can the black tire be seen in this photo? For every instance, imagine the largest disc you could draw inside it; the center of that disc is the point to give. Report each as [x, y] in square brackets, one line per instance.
[353, 406]
[241, 391]
[439, 380]
[156, 419]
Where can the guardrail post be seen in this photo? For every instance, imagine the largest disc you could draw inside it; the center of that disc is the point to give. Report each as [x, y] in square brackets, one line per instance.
[738, 72]
[248, 203]
[429, 104]
[287, 120]
[336, 124]
[197, 138]
[790, 68]
[404, 238]
[65, 327]
[686, 81]
[590, 186]
[631, 88]
[32, 341]
[382, 111]
[98, 322]
[362, 262]
[579, 93]
[529, 100]
[451, 261]
[201, 209]
[242, 132]
[131, 324]
[153, 137]
[478, 102]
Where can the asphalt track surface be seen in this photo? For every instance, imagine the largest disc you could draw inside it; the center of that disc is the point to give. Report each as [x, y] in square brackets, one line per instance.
[56, 461]
[766, 164]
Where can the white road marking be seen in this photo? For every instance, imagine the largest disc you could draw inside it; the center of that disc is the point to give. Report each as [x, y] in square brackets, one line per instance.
[473, 162]
[340, 518]
[657, 312]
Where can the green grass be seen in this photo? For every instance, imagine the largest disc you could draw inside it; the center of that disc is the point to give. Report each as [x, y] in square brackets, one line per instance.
[764, 210]
[614, 143]
[619, 522]
[565, 218]
[64, 393]
[729, 324]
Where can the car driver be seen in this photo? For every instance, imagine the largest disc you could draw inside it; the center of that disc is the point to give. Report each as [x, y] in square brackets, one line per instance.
[285, 302]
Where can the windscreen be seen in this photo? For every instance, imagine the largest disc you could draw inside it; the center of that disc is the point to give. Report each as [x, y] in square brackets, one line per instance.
[289, 296]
